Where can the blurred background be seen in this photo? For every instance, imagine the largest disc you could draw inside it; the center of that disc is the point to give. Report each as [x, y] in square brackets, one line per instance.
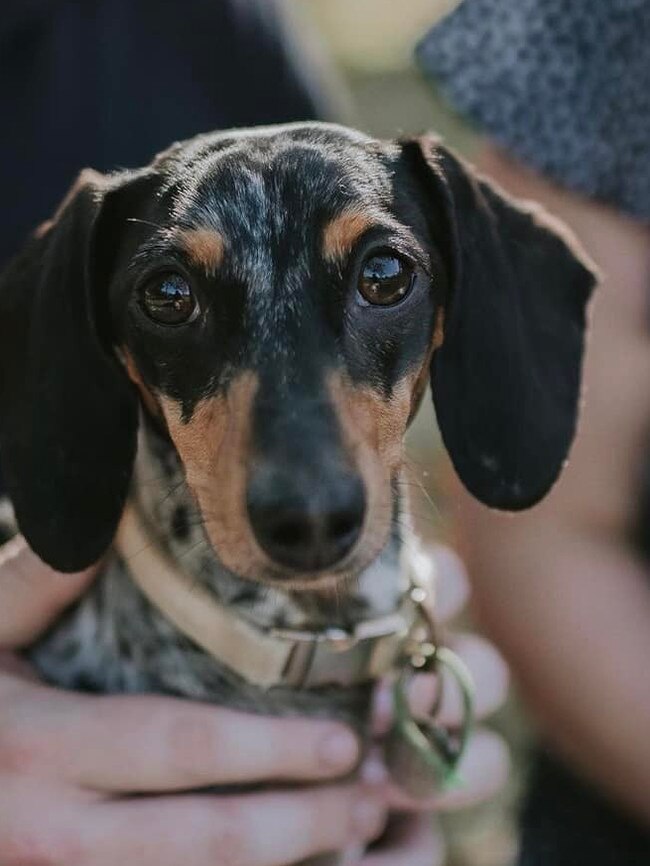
[368, 45]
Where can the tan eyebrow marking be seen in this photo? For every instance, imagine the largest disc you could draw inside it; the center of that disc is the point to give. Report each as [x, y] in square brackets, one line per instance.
[341, 233]
[205, 248]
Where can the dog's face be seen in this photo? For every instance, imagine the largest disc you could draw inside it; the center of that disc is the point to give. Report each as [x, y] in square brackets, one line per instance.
[279, 314]
[276, 299]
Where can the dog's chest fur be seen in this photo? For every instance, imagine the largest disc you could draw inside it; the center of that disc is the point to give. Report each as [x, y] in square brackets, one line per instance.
[115, 641]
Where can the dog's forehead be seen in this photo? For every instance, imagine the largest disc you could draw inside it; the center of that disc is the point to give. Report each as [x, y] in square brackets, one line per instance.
[255, 182]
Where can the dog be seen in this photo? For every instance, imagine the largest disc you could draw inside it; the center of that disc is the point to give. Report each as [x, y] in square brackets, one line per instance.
[234, 340]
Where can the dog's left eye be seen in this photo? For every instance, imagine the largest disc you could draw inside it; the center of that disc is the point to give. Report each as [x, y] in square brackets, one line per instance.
[169, 300]
[385, 279]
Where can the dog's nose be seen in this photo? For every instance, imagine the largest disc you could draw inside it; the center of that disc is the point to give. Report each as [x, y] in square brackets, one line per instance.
[304, 524]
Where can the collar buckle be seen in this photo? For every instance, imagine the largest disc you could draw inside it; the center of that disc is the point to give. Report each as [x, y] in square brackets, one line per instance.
[346, 657]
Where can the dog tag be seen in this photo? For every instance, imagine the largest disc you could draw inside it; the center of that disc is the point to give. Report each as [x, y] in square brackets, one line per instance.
[421, 756]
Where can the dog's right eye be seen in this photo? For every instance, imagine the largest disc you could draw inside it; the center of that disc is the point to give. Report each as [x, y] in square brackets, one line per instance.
[169, 300]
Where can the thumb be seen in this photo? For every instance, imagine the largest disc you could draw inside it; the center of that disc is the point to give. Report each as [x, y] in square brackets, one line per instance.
[32, 594]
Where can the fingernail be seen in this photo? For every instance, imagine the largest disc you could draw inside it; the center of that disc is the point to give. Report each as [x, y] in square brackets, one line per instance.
[339, 751]
[368, 817]
[374, 772]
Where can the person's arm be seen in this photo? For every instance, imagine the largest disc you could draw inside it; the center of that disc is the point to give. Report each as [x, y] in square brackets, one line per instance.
[560, 589]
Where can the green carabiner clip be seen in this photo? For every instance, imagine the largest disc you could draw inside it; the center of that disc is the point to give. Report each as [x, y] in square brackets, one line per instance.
[422, 757]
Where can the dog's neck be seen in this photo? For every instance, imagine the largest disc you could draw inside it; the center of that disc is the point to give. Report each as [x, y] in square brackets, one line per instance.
[174, 522]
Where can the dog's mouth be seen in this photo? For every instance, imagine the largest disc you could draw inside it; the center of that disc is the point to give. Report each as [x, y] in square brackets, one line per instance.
[334, 580]
[322, 577]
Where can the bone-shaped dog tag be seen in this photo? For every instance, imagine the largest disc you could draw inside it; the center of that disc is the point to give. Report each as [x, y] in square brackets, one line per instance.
[421, 756]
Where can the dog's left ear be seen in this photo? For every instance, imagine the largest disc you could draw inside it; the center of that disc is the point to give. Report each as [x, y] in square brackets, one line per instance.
[68, 413]
[506, 380]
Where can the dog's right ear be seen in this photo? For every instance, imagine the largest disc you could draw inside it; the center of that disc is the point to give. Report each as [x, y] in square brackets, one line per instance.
[506, 377]
[68, 413]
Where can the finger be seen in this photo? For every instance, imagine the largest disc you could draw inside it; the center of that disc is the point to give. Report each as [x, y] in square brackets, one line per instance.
[265, 829]
[145, 743]
[489, 674]
[452, 588]
[32, 594]
[412, 840]
[482, 772]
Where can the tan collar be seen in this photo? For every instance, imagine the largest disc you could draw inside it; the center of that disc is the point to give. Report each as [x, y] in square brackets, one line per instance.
[270, 657]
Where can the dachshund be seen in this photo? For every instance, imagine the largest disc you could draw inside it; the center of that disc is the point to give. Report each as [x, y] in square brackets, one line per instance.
[233, 340]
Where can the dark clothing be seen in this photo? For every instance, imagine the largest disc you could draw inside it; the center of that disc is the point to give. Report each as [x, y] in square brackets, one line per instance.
[563, 86]
[108, 83]
[565, 823]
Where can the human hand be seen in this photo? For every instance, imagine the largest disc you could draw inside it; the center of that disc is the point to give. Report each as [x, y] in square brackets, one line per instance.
[71, 763]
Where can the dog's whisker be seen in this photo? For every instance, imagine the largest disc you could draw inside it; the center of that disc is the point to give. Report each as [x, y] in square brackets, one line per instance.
[145, 222]
[415, 482]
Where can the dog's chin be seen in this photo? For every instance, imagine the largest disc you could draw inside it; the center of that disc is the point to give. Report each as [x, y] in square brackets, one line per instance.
[334, 580]
[261, 569]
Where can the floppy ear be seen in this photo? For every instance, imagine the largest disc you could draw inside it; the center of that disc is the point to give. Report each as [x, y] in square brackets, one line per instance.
[506, 380]
[68, 414]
